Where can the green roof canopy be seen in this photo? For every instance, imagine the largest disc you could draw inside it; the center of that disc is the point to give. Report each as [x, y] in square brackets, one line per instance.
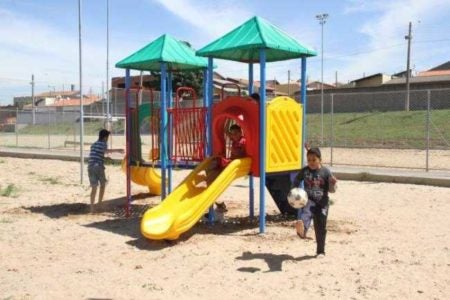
[243, 44]
[177, 54]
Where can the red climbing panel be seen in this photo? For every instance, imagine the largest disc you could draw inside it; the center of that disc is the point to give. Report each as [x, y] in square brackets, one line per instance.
[188, 127]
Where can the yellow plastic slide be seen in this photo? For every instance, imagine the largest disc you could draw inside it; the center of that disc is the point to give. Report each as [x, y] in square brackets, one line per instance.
[146, 176]
[188, 202]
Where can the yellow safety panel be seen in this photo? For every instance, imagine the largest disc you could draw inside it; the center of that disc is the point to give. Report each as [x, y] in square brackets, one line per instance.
[284, 135]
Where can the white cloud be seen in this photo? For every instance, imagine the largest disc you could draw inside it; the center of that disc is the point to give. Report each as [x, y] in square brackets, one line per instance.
[388, 26]
[213, 17]
[359, 6]
[31, 46]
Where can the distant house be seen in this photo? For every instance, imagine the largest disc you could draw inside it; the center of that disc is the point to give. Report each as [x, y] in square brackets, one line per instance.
[288, 88]
[45, 98]
[401, 74]
[371, 81]
[68, 102]
[272, 82]
[441, 70]
[432, 81]
[119, 82]
[317, 85]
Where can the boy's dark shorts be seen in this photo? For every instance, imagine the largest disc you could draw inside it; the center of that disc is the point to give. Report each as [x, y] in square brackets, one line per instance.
[96, 175]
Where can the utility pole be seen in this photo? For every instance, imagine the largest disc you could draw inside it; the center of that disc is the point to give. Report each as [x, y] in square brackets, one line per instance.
[80, 61]
[408, 71]
[336, 79]
[33, 110]
[322, 20]
[103, 98]
[289, 82]
[108, 112]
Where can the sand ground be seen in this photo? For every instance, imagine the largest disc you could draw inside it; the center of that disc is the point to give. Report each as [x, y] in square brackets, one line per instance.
[385, 241]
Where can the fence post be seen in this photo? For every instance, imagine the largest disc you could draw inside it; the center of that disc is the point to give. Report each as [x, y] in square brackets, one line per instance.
[115, 102]
[48, 126]
[427, 158]
[332, 130]
[74, 136]
[16, 127]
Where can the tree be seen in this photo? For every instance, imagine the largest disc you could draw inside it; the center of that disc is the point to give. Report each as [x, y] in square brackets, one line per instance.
[192, 79]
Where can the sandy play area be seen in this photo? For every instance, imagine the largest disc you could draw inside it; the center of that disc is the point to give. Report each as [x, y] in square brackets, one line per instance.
[384, 241]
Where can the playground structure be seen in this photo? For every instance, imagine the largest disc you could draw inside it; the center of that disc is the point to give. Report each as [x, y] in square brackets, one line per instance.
[141, 172]
[189, 201]
[187, 135]
[274, 130]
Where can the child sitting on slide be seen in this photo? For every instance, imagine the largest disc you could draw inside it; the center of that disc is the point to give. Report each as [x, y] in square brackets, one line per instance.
[218, 165]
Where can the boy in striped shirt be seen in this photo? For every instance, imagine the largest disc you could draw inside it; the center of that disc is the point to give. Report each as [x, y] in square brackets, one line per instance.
[96, 166]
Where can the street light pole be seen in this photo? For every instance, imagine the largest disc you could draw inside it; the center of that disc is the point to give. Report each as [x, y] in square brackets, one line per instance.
[322, 20]
[108, 112]
[33, 112]
[80, 65]
[408, 72]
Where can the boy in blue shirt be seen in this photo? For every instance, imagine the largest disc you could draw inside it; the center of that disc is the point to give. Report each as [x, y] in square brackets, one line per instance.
[96, 166]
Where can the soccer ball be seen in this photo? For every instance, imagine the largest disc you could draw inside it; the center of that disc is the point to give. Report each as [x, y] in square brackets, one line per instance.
[297, 198]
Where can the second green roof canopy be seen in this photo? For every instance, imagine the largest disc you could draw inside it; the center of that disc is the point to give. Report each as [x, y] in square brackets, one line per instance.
[243, 43]
[177, 54]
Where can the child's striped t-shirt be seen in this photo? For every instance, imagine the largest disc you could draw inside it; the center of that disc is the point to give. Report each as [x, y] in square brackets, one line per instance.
[97, 154]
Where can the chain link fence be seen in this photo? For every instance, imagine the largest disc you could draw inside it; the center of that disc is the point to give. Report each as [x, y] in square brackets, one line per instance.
[377, 129]
[360, 129]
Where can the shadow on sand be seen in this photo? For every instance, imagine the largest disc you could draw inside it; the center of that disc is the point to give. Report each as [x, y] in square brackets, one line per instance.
[274, 261]
[119, 223]
[61, 210]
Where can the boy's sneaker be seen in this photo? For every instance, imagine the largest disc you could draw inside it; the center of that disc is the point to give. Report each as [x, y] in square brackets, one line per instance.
[320, 255]
[300, 228]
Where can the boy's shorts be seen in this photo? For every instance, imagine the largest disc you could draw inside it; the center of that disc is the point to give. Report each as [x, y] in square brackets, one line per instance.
[96, 174]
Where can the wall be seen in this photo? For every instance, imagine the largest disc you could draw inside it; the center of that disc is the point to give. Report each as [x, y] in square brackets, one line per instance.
[382, 98]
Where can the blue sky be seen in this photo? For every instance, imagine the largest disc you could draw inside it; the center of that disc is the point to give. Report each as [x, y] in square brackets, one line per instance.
[361, 36]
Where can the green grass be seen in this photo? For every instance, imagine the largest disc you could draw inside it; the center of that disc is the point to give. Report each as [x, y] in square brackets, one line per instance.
[370, 129]
[90, 128]
[10, 191]
[383, 129]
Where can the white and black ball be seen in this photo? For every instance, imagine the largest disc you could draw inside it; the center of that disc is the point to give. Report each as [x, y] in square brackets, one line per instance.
[297, 198]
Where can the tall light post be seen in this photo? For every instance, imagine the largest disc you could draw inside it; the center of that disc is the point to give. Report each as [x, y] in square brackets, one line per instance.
[408, 69]
[33, 112]
[80, 65]
[322, 20]
[108, 112]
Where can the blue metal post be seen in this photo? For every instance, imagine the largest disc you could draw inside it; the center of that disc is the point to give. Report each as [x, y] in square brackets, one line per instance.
[205, 104]
[251, 179]
[162, 132]
[209, 106]
[304, 103]
[262, 141]
[209, 122]
[250, 78]
[170, 131]
[128, 138]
